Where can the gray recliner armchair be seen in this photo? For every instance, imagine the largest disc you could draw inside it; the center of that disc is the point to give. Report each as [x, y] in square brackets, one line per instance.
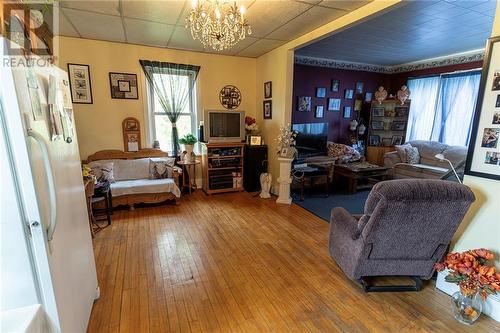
[406, 228]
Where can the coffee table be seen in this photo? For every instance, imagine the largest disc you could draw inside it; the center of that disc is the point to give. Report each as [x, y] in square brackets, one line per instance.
[360, 175]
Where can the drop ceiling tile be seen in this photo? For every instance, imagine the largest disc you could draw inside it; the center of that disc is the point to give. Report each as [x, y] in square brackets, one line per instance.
[65, 28]
[260, 47]
[182, 39]
[348, 5]
[486, 7]
[147, 33]
[109, 7]
[159, 11]
[243, 44]
[96, 26]
[266, 16]
[310, 20]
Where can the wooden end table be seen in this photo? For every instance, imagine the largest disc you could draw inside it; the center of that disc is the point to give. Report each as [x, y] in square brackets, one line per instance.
[354, 173]
[188, 178]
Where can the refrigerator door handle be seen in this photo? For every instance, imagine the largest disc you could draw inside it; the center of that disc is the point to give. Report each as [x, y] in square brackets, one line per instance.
[50, 181]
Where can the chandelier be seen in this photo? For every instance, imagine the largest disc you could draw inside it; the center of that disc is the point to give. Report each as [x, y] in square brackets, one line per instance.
[217, 24]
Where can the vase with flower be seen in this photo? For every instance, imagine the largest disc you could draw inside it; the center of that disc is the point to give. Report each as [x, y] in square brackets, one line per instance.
[476, 280]
[251, 127]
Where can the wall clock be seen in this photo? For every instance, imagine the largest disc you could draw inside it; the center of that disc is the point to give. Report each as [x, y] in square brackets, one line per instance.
[230, 97]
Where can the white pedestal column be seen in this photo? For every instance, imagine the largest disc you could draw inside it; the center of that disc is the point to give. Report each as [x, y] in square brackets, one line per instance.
[284, 181]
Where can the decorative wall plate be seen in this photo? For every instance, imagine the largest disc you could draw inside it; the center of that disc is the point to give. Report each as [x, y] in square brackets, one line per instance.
[380, 95]
[230, 97]
[403, 94]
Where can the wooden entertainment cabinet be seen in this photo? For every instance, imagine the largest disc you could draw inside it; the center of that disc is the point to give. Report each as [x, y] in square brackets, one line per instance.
[218, 163]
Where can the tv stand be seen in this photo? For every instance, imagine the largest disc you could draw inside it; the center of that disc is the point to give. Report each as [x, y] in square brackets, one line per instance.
[222, 167]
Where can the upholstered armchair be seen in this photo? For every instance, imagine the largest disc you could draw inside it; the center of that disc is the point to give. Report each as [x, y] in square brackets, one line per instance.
[406, 228]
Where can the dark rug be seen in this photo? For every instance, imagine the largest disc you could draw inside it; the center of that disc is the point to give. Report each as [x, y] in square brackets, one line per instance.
[322, 207]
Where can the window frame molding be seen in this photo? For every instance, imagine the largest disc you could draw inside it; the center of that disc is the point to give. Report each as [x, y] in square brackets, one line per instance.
[150, 122]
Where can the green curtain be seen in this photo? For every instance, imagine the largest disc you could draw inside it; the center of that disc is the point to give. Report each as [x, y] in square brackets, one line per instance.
[172, 93]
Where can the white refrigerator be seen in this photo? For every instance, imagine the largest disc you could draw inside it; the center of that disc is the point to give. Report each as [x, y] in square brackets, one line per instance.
[48, 274]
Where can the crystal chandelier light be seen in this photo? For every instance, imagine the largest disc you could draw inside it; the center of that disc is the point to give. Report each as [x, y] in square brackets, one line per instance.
[217, 24]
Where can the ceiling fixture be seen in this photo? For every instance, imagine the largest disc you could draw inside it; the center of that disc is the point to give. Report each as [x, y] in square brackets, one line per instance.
[217, 24]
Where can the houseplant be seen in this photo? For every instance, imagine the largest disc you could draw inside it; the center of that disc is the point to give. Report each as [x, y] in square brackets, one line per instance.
[476, 280]
[188, 141]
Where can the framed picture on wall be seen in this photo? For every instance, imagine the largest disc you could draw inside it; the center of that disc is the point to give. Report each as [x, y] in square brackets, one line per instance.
[347, 111]
[268, 89]
[80, 83]
[335, 87]
[268, 109]
[319, 111]
[123, 86]
[304, 103]
[349, 94]
[334, 104]
[321, 92]
[359, 87]
[484, 150]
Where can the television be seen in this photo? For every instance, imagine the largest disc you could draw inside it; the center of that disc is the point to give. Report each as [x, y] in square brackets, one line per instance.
[224, 126]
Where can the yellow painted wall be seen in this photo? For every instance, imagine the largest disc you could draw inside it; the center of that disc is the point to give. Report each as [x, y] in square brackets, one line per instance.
[99, 124]
[277, 66]
[481, 227]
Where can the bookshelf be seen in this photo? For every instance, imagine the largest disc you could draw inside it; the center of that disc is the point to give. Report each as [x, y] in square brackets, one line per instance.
[222, 167]
[387, 128]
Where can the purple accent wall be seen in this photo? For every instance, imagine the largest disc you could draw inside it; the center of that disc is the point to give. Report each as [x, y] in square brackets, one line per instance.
[307, 78]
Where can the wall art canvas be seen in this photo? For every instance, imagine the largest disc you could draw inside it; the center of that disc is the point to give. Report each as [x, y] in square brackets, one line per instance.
[304, 104]
[80, 83]
[484, 149]
[123, 86]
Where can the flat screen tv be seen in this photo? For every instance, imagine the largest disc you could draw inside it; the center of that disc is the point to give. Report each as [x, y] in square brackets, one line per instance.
[224, 126]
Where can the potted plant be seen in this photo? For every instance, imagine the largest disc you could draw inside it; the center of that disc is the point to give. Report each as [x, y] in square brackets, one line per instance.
[188, 141]
[476, 280]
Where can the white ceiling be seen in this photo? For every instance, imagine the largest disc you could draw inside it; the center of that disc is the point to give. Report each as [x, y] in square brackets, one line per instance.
[162, 23]
[418, 30]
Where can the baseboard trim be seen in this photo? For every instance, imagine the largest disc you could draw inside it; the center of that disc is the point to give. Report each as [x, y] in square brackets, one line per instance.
[491, 307]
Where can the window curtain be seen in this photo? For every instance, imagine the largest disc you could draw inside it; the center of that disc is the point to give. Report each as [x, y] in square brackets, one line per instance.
[442, 107]
[424, 93]
[173, 94]
[455, 108]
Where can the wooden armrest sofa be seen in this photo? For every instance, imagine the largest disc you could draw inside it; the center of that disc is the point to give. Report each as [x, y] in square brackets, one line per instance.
[132, 184]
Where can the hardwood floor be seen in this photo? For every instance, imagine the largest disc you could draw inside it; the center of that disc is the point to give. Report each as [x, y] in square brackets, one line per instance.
[233, 263]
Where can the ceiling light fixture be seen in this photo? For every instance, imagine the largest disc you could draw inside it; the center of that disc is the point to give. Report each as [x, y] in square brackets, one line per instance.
[217, 24]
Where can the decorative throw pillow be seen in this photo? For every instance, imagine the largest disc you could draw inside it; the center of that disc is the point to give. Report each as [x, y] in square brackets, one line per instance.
[343, 152]
[103, 171]
[161, 167]
[408, 153]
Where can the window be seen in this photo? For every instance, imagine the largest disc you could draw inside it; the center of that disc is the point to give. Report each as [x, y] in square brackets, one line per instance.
[160, 124]
[442, 107]
[172, 106]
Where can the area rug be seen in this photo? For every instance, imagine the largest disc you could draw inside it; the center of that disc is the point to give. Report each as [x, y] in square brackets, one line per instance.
[322, 207]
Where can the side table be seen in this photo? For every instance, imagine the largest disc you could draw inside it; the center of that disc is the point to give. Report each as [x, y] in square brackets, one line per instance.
[188, 174]
[102, 192]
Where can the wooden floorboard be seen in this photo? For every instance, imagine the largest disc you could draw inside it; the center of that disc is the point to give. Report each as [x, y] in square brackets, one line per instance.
[234, 263]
